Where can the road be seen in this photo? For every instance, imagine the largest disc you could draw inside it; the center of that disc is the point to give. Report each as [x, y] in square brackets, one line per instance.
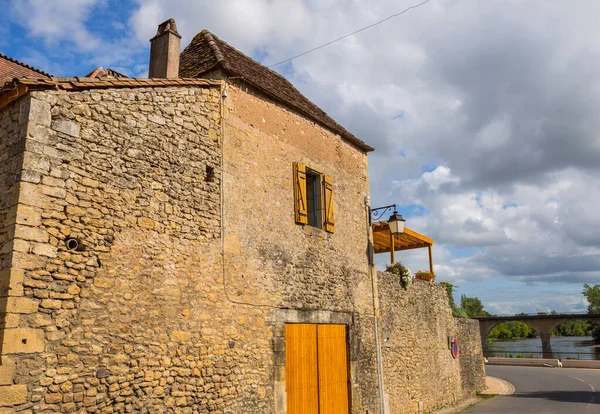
[544, 390]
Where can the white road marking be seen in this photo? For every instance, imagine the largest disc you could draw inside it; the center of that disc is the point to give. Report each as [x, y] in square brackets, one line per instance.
[593, 399]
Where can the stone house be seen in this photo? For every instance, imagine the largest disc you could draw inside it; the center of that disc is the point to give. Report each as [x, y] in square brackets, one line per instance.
[194, 242]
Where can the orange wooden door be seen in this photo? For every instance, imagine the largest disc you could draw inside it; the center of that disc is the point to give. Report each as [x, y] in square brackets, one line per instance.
[316, 369]
[302, 386]
[333, 369]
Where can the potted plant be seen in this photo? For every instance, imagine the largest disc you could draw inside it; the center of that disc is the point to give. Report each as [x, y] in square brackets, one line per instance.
[425, 275]
[402, 272]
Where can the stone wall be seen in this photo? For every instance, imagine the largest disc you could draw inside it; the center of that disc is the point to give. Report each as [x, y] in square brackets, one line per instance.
[129, 321]
[12, 140]
[419, 370]
[273, 262]
[174, 301]
[472, 369]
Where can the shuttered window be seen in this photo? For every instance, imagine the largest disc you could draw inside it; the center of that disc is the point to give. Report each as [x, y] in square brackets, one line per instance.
[313, 198]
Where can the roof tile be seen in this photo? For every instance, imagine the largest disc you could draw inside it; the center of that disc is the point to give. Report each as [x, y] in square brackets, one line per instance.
[11, 68]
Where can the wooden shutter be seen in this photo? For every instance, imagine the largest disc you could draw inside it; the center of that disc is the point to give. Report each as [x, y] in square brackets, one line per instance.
[300, 193]
[328, 220]
[333, 369]
[302, 383]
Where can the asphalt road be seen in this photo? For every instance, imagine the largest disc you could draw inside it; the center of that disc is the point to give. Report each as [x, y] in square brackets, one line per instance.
[544, 390]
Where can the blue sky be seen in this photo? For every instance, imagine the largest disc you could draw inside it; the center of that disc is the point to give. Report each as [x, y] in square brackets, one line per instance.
[483, 120]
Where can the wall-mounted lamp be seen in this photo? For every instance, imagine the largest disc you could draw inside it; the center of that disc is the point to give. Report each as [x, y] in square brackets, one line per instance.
[396, 221]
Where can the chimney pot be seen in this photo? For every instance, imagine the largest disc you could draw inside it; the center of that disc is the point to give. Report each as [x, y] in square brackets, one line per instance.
[164, 51]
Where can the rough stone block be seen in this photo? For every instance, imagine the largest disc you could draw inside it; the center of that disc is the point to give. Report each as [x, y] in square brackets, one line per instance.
[66, 126]
[29, 216]
[45, 249]
[13, 395]
[146, 222]
[31, 233]
[55, 192]
[23, 340]
[180, 336]
[30, 195]
[11, 282]
[51, 304]
[36, 162]
[7, 370]
[103, 282]
[39, 112]
[21, 304]
[12, 320]
[54, 398]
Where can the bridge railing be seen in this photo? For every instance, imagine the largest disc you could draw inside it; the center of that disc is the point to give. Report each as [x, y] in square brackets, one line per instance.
[540, 354]
[512, 315]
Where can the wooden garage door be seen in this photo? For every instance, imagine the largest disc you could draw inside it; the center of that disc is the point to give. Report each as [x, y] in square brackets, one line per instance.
[316, 369]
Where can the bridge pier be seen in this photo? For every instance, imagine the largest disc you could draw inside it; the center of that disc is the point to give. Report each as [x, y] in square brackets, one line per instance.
[546, 344]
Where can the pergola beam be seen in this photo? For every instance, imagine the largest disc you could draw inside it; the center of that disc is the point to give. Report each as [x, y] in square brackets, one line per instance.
[385, 242]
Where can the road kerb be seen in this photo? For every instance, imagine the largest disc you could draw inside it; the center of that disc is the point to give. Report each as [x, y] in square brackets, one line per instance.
[497, 386]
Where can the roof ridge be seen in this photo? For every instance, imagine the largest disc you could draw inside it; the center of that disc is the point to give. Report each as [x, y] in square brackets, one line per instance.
[210, 39]
[18, 62]
[213, 37]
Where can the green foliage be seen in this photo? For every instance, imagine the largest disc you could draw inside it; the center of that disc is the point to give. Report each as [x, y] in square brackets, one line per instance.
[511, 330]
[518, 330]
[457, 311]
[402, 272]
[592, 294]
[472, 306]
[450, 291]
[573, 328]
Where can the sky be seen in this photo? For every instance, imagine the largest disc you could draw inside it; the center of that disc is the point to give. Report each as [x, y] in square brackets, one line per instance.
[482, 114]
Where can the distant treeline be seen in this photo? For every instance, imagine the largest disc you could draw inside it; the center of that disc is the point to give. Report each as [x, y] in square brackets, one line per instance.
[472, 307]
[516, 330]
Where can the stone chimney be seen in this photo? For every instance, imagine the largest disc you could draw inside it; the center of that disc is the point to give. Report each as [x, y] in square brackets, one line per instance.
[164, 51]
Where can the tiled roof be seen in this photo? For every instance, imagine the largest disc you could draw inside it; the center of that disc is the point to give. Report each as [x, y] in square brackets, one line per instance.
[11, 68]
[20, 86]
[207, 52]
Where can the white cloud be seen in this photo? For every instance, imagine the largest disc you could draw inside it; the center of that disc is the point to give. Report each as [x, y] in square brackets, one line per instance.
[503, 107]
[59, 20]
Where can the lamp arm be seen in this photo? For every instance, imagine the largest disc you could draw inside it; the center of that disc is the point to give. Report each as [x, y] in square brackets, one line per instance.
[374, 215]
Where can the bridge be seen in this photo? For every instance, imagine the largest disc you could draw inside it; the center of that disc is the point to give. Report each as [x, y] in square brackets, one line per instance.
[543, 324]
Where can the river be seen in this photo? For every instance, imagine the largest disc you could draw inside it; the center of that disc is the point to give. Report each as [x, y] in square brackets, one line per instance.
[576, 347]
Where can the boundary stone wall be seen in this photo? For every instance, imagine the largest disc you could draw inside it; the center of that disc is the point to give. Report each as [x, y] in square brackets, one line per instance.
[419, 370]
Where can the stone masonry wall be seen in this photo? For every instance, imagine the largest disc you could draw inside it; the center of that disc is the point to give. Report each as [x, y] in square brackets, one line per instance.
[417, 363]
[472, 369]
[148, 314]
[12, 141]
[270, 260]
[131, 321]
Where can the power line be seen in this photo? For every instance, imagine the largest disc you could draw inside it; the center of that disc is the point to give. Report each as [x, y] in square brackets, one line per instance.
[350, 34]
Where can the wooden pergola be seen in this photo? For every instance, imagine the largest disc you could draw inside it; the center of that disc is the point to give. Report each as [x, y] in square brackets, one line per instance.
[383, 241]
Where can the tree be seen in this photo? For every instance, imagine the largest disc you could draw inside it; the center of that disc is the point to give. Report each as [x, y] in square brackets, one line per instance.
[456, 310]
[472, 306]
[592, 294]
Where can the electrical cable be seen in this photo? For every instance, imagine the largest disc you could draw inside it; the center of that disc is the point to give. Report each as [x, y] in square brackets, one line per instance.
[350, 34]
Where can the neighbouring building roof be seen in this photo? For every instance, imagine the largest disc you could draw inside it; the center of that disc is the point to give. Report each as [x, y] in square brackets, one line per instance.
[11, 68]
[207, 52]
[100, 72]
[20, 86]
